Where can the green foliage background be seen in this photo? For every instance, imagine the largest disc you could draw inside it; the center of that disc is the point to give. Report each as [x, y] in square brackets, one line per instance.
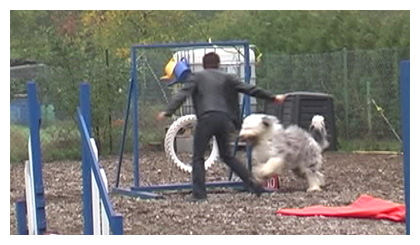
[95, 46]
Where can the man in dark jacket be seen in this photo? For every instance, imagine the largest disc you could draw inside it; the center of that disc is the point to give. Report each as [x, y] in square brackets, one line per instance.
[215, 101]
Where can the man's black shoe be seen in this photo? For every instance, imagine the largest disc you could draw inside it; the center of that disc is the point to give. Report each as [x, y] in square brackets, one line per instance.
[256, 188]
[258, 191]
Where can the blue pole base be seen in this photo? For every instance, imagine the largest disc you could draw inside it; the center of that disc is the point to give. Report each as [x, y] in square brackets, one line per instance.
[181, 186]
[139, 194]
[21, 212]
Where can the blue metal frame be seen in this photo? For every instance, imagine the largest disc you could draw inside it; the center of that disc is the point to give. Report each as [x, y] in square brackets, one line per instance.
[405, 108]
[186, 45]
[133, 98]
[90, 163]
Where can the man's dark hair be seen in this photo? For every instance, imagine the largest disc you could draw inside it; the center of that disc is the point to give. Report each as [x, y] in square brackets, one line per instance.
[211, 60]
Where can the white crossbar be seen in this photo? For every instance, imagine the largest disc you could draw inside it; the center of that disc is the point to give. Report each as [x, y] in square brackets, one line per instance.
[100, 219]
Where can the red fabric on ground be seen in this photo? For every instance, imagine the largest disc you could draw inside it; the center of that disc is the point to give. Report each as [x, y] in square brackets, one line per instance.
[364, 207]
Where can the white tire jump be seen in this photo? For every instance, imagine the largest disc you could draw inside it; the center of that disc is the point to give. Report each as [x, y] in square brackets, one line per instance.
[182, 123]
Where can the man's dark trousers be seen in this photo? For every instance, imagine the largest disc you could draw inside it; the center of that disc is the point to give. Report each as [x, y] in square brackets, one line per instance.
[220, 125]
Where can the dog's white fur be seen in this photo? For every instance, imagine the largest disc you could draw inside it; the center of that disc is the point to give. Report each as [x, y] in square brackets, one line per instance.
[276, 148]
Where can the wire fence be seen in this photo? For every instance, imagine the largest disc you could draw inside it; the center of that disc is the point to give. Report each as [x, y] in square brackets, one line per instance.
[364, 85]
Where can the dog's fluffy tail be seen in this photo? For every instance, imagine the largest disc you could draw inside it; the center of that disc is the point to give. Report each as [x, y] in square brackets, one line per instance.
[319, 132]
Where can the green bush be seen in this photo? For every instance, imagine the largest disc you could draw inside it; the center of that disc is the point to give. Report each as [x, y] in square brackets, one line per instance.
[18, 143]
[60, 141]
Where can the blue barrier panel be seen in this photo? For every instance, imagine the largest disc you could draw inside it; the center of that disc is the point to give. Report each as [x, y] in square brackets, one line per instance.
[86, 176]
[36, 186]
[34, 126]
[405, 108]
[91, 165]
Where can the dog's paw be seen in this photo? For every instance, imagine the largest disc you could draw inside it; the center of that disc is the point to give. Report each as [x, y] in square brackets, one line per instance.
[321, 179]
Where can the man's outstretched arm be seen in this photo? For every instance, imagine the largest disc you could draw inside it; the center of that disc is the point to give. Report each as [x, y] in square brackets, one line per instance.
[178, 100]
[255, 91]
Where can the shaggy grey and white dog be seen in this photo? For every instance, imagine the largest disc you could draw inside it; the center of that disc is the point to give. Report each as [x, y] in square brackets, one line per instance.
[276, 148]
[319, 132]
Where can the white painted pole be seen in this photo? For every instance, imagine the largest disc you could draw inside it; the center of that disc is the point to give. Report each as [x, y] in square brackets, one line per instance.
[96, 219]
[95, 197]
[100, 218]
[105, 219]
[30, 194]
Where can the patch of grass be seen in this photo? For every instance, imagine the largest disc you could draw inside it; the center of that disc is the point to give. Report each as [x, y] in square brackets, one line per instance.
[369, 145]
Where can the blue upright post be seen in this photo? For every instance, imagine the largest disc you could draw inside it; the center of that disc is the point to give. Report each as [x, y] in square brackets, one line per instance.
[135, 117]
[245, 110]
[247, 73]
[34, 126]
[127, 113]
[86, 164]
[247, 101]
[405, 108]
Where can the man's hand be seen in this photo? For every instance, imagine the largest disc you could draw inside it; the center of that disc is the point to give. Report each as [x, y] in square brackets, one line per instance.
[280, 98]
[161, 116]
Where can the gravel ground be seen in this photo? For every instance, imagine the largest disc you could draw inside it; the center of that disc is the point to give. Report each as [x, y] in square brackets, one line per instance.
[227, 211]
